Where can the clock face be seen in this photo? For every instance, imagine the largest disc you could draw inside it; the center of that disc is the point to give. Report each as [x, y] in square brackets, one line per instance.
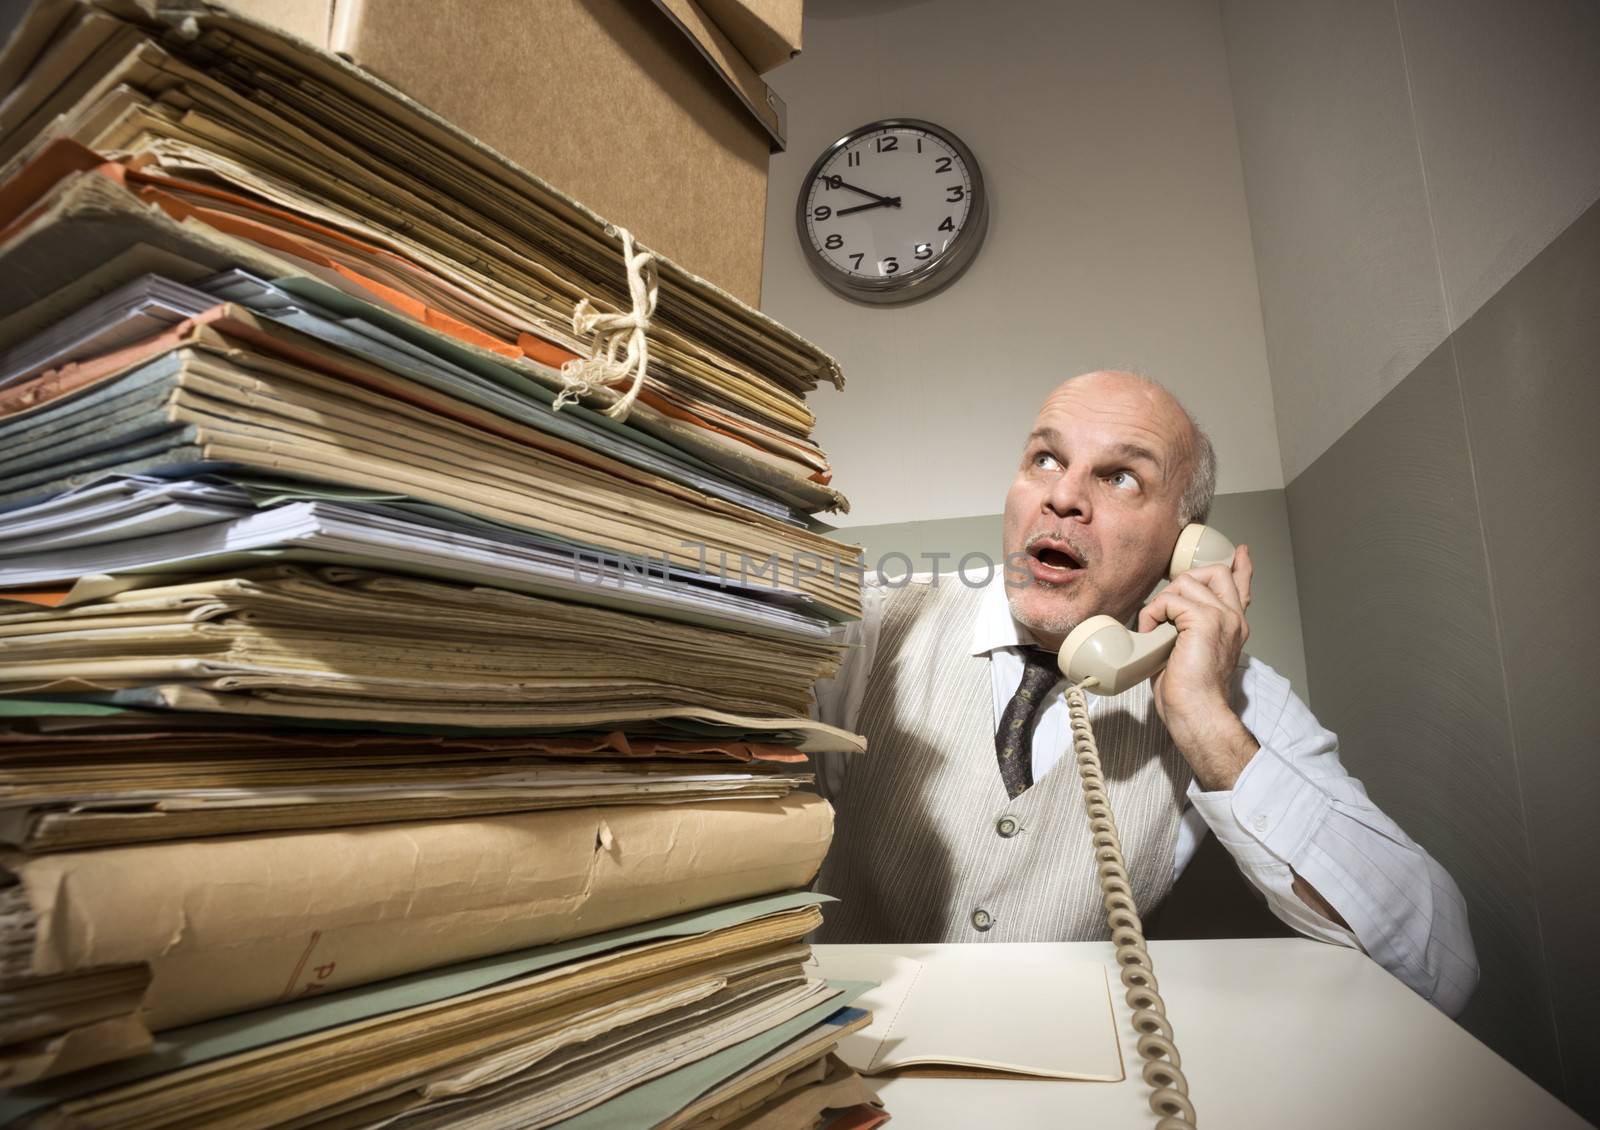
[892, 211]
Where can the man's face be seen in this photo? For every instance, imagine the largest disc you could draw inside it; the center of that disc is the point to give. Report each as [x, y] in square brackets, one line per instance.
[1092, 516]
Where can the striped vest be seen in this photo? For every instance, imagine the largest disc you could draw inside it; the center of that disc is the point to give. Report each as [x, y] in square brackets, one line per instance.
[928, 848]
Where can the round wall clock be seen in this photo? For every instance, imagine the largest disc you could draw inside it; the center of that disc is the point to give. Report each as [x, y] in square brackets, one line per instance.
[892, 211]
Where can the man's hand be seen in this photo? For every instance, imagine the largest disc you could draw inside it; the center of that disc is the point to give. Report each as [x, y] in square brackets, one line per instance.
[1207, 606]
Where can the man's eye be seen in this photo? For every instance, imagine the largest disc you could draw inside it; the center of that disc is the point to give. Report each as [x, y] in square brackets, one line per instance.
[1123, 480]
[1044, 460]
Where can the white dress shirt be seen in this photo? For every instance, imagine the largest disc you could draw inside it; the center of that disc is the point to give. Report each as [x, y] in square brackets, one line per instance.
[1293, 810]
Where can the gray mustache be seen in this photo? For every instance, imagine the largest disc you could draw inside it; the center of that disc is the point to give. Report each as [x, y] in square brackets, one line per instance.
[1058, 536]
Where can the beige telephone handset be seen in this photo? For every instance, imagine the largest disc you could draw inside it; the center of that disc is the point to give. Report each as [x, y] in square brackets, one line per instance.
[1103, 656]
[1102, 650]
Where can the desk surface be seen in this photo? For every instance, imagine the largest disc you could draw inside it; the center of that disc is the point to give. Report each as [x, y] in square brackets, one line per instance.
[1273, 1032]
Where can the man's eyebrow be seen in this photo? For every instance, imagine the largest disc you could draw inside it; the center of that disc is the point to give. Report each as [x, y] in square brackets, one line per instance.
[1132, 451]
[1127, 451]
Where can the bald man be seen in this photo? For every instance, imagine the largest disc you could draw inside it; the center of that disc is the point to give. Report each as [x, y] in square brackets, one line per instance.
[947, 832]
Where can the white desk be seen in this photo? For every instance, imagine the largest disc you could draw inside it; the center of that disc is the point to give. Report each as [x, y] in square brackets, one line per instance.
[1274, 1033]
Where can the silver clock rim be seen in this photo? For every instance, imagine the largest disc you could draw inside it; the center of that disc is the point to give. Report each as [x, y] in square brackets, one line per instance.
[945, 268]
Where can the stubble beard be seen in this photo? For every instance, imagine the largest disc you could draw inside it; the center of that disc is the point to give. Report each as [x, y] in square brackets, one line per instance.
[1058, 623]
[1052, 624]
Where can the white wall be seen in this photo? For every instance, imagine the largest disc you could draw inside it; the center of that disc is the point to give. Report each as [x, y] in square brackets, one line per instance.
[1118, 237]
[1403, 160]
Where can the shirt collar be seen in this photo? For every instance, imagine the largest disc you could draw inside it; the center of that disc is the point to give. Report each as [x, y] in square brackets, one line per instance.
[994, 628]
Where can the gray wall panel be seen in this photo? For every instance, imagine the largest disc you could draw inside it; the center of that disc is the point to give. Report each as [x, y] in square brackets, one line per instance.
[1504, 97]
[1401, 648]
[1350, 295]
[1530, 371]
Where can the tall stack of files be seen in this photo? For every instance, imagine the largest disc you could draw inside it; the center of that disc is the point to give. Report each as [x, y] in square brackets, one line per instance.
[390, 734]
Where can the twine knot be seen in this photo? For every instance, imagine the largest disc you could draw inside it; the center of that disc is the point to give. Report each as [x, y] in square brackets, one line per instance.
[618, 349]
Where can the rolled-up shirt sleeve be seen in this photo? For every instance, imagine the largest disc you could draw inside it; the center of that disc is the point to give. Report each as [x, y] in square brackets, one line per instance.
[1295, 811]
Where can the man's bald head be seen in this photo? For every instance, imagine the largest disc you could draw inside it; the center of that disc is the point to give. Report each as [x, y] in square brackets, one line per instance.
[1194, 457]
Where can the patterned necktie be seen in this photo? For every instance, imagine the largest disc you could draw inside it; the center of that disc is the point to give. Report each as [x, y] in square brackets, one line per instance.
[1013, 741]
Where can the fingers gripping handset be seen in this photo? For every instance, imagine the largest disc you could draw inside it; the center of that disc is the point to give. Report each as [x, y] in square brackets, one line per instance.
[1115, 659]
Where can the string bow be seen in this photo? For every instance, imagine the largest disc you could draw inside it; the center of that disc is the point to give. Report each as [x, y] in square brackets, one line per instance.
[618, 349]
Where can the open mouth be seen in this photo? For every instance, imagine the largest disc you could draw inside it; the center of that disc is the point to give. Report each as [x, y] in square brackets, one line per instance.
[1056, 557]
[1054, 562]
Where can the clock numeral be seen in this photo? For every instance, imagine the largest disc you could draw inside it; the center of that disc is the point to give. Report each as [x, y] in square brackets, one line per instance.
[856, 259]
[949, 224]
[831, 183]
[889, 266]
[924, 251]
[919, 145]
[957, 192]
[834, 242]
[852, 159]
[942, 164]
[888, 144]
[821, 212]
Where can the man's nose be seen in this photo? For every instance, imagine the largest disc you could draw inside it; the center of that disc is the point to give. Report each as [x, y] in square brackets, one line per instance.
[1069, 496]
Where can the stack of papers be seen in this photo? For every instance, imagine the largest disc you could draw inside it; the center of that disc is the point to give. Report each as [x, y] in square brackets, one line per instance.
[405, 688]
[292, 162]
[131, 526]
[130, 314]
[354, 645]
[231, 923]
[41, 814]
[231, 391]
[688, 1021]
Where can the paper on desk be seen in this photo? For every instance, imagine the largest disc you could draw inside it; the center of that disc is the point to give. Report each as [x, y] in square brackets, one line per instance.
[980, 1007]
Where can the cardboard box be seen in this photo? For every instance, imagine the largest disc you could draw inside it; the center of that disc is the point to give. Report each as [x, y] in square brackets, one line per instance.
[647, 113]
[766, 32]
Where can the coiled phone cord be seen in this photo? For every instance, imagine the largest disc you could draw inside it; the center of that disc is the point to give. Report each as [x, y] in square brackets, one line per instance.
[1170, 1097]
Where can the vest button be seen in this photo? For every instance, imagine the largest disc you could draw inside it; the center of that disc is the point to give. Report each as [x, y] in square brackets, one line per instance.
[1007, 826]
[982, 919]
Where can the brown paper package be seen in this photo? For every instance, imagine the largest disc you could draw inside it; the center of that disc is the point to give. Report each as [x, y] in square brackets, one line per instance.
[237, 923]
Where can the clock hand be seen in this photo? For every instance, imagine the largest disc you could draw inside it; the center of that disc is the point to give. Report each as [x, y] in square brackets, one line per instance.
[862, 191]
[886, 202]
